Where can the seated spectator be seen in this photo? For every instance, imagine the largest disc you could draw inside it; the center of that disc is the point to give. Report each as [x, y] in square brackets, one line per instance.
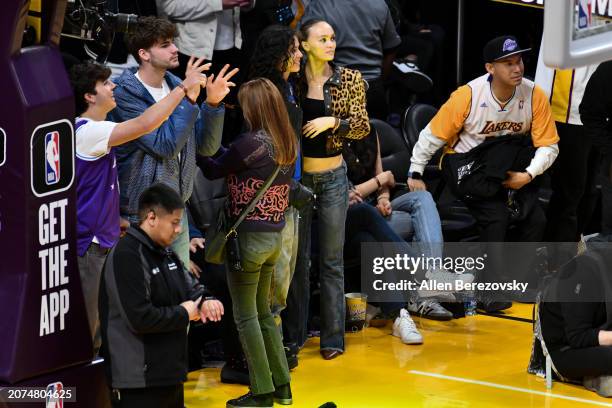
[366, 41]
[268, 147]
[98, 220]
[499, 103]
[412, 215]
[576, 320]
[146, 305]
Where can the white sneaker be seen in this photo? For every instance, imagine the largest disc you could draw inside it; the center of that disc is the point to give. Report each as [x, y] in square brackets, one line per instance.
[405, 329]
[429, 309]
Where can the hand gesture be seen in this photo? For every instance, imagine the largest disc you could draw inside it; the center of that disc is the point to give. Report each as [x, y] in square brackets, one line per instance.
[218, 88]
[516, 179]
[194, 269]
[386, 178]
[384, 206]
[194, 78]
[192, 309]
[316, 126]
[211, 310]
[416, 185]
[354, 197]
[196, 243]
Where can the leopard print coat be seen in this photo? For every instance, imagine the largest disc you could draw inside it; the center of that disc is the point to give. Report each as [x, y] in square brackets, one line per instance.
[344, 95]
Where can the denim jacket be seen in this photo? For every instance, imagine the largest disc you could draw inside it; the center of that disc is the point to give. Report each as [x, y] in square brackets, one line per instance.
[168, 153]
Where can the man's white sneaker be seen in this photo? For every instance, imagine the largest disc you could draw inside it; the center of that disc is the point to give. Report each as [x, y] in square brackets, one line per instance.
[405, 329]
[429, 309]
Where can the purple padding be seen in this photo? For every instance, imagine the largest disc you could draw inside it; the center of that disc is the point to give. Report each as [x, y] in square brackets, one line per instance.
[43, 323]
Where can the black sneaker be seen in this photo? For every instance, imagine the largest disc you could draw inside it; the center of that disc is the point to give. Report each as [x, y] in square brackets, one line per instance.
[249, 400]
[291, 354]
[491, 306]
[235, 371]
[282, 395]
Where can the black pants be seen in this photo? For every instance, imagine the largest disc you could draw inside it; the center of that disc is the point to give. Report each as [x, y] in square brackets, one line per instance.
[493, 218]
[576, 364]
[150, 397]
[376, 99]
[573, 174]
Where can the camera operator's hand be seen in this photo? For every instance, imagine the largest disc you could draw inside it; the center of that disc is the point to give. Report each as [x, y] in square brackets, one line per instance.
[211, 310]
[218, 88]
[192, 309]
[194, 77]
[228, 4]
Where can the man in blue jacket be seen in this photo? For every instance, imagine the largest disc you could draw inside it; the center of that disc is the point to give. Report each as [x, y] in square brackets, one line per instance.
[168, 154]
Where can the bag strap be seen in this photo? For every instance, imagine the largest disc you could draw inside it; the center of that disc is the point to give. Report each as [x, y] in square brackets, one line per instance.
[253, 202]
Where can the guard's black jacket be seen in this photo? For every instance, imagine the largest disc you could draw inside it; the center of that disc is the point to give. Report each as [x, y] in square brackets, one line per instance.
[144, 328]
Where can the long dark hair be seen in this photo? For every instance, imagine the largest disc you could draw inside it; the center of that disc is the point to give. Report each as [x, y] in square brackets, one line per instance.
[264, 108]
[271, 55]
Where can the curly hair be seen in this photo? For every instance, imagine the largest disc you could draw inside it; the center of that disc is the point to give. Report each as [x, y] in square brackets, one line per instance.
[272, 54]
[83, 78]
[149, 31]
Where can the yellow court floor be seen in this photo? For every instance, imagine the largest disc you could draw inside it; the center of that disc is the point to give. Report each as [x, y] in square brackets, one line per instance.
[477, 361]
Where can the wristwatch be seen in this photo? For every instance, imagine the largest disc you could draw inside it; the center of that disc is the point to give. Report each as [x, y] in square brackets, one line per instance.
[415, 175]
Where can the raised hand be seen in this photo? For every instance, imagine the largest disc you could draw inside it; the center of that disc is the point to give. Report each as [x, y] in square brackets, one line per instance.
[194, 77]
[218, 88]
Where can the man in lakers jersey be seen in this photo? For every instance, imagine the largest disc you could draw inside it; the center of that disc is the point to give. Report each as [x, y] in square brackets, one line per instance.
[501, 102]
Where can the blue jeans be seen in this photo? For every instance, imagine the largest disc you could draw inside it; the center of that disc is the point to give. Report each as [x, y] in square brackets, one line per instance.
[331, 201]
[415, 214]
[283, 272]
[364, 223]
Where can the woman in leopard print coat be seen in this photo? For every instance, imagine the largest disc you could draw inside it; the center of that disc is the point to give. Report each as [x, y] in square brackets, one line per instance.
[334, 105]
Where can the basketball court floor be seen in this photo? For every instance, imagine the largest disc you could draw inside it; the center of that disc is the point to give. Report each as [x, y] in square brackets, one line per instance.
[477, 361]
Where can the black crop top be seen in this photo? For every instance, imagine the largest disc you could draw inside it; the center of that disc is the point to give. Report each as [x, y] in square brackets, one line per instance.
[318, 145]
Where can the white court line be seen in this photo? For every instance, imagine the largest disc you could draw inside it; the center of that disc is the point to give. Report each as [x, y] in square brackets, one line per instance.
[510, 388]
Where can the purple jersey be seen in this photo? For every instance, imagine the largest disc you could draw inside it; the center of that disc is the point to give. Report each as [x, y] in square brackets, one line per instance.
[97, 194]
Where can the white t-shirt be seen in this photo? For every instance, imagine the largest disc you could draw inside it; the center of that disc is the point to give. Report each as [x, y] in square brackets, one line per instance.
[224, 40]
[157, 93]
[92, 142]
[92, 138]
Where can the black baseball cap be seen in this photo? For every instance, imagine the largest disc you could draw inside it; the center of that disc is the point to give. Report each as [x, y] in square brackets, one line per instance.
[502, 47]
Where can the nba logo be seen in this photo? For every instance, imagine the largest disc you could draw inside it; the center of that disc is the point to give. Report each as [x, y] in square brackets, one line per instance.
[52, 158]
[53, 396]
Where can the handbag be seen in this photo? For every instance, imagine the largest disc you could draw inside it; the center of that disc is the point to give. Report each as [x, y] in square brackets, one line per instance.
[218, 237]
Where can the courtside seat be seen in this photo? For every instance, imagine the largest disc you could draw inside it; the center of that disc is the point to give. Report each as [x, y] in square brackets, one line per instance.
[457, 222]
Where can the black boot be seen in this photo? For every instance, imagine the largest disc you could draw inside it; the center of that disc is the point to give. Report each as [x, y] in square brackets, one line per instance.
[252, 401]
[235, 371]
[282, 395]
[291, 350]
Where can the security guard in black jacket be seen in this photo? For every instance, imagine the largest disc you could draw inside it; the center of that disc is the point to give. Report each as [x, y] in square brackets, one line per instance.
[146, 303]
